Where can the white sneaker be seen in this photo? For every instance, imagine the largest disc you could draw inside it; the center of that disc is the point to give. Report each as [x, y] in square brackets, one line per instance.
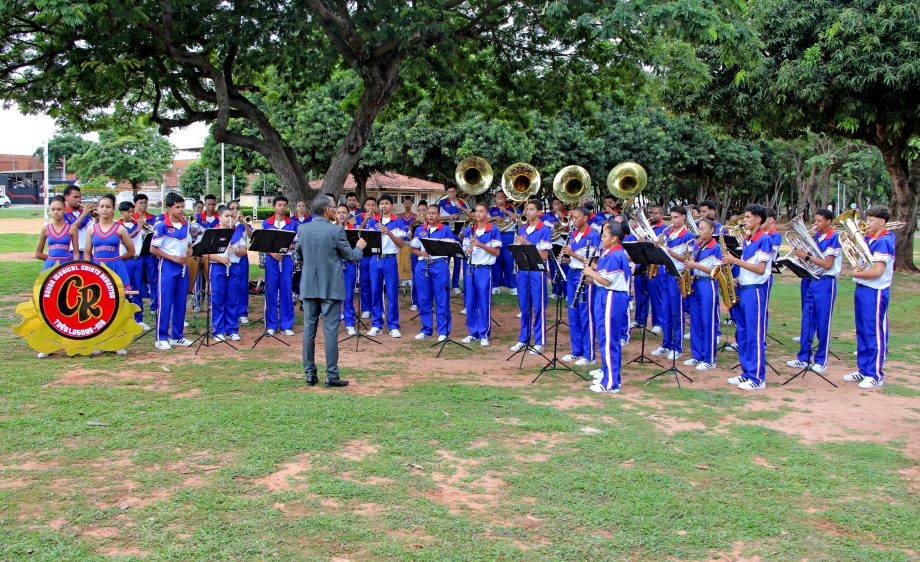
[463, 311]
[413, 307]
[394, 333]
[514, 292]
[820, 369]
[495, 290]
[144, 326]
[731, 347]
[288, 332]
[121, 351]
[751, 385]
[705, 366]
[350, 330]
[219, 337]
[441, 338]
[855, 353]
[657, 329]
[569, 358]
[870, 383]
[457, 291]
[270, 331]
[659, 351]
[797, 338]
[601, 390]
[672, 354]
[181, 342]
[582, 361]
[624, 343]
[374, 332]
[164, 345]
[687, 336]
[185, 324]
[518, 346]
[737, 380]
[244, 320]
[518, 315]
[552, 296]
[469, 339]
[42, 355]
[421, 336]
[596, 373]
[536, 349]
[235, 337]
[796, 364]
[366, 314]
[341, 317]
[691, 362]
[853, 377]
[633, 325]
[483, 342]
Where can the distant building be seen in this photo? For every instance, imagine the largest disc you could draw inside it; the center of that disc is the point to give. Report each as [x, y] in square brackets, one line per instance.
[397, 186]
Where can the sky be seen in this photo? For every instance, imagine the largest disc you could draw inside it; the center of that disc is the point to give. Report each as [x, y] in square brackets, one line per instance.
[22, 134]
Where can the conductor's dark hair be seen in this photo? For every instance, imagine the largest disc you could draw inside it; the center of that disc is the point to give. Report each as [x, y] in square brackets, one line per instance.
[880, 212]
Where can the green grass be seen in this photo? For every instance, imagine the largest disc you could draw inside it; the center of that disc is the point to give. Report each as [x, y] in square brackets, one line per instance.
[18, 243]
[627, 491]
[16, 213]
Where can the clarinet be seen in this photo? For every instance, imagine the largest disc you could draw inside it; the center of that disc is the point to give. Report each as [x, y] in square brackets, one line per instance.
[582, 283]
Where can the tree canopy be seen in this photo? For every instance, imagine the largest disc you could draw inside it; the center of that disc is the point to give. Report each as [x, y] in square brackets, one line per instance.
[133, 155]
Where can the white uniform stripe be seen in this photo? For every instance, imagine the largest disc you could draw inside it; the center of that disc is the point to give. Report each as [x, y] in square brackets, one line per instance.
[830, 316]
[757, 343]
[878, 334]
[607, 354]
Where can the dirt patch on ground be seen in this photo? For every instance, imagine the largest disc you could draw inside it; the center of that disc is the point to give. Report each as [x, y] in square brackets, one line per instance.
[22, 226]
[481, 495]
[19, 257]
[357, 450]
[282, 479]
[81, 377]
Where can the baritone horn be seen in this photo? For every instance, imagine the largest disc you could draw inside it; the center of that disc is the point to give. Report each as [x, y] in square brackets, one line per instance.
[520, 182]
[571, 183]
[626, 180]
[473, 175]
[852, 243]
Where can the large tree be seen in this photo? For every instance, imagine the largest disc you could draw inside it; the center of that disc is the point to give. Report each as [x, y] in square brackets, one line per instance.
[186, 61]
[65, 143]
[850, 69]
[133, 155]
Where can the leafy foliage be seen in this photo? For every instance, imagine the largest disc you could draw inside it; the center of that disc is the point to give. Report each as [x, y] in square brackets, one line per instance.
[134, 155]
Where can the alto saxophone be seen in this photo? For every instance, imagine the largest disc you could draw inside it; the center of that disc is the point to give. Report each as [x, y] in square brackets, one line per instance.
[725, 279]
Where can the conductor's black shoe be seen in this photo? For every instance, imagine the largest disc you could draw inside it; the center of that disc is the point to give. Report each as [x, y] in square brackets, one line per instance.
[312, 380]
[336, 382]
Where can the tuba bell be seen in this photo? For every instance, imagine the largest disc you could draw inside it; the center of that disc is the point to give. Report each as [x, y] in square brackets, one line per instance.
[473, 175]
[626, 180]
[852, 243]
[571, 183]
[520, 182]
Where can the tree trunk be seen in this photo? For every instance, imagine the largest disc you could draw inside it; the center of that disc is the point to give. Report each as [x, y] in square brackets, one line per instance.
[906, 181]
[379, 86]
[361, 178]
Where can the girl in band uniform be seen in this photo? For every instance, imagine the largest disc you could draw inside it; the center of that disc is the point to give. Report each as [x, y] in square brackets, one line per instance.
[350, 273]
[611, 279]
[705, 256]
[57, 234]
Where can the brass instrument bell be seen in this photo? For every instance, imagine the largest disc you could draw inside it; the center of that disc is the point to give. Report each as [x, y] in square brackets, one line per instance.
[626, 180]
[571, 183]
[473, 175]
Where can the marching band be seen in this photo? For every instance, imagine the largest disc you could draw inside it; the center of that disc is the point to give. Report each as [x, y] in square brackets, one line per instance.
[585, 262]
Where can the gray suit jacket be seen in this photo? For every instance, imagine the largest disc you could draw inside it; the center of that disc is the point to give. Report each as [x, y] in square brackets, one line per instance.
[323, 246]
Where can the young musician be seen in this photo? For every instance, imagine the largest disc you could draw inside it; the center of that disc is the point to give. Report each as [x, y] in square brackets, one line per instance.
[407, 215]
[78, 217]
[751, 330]
[362, 220]
[242, 280]
[583, 242]
[705, 257]
[710, 210]
[57, 235]
[208, 218]
[146, 265]
[595, 220]
[342, 214]
[532, 284]
[279, 270]
[623, 219]
[384, 271]
[422, 210]
[105, 242]
[503, 271]
[482, 243]
[678, 237]
[819, 294]
[551, 219]
[610, 207]
[654, 286]
[132, 263]
[611, 278]
[453, 208]
[172, 243]
[873, 286]
[301, 216]
[351, 201]
[432, 276]
[197, 208]
[224, 278]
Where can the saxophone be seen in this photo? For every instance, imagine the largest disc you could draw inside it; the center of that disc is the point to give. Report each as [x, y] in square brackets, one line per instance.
[725, 279]
[653, 267]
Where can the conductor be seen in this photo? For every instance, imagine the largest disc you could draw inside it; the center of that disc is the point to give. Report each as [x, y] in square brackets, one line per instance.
[323, 246]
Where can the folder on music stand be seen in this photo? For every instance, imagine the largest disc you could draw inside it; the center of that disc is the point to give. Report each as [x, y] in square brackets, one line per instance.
[145, 245]
[214, 241]
[444, 247]
[732, 245]
[373, 238]
[270, 241]
[527, 257]
[642, 254]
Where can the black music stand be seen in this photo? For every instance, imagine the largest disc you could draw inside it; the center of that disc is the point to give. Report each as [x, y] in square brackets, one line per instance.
[556, 364]
[214, 241]
[663, 259]
[374, 247]
[443, 247]
[271, 241]
[527, 258]
[794, 266]
[559, 274]
[642, 254]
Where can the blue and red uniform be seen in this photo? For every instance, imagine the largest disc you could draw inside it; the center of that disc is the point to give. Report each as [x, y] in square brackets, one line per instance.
[870, 301]
[133, 265]
[551, 220]
[147, 268]
[83, 221]
[349, 272]
[704, 303]
[106, 251]
[609, 304]
[478, 292]
[278, 282]
[384, 272]
[172, 279]
[672, 301]
[59, 246]
[751, 331]
[503, 270]
[650, 292]
[433, 278]
[818, 297]
[531, 287]
[447, 209]
[582, 327]
[224, 281]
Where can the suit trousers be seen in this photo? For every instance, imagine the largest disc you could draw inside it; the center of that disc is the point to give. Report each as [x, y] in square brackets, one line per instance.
[331, 312]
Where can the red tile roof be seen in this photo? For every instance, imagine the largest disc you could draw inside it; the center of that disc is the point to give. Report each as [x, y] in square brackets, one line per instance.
[387, 181]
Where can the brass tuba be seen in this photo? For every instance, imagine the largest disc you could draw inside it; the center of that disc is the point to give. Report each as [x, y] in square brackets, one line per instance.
[798, 236]
[473, 175]
[626, 180]
[852, 242]
[571, 183]
[520, 182]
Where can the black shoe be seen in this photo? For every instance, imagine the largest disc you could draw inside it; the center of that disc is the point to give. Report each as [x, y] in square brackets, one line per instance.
[312, 380]
[336, 382]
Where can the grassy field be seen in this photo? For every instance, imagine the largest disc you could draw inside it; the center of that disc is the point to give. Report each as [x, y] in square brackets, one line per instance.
[227, 456]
